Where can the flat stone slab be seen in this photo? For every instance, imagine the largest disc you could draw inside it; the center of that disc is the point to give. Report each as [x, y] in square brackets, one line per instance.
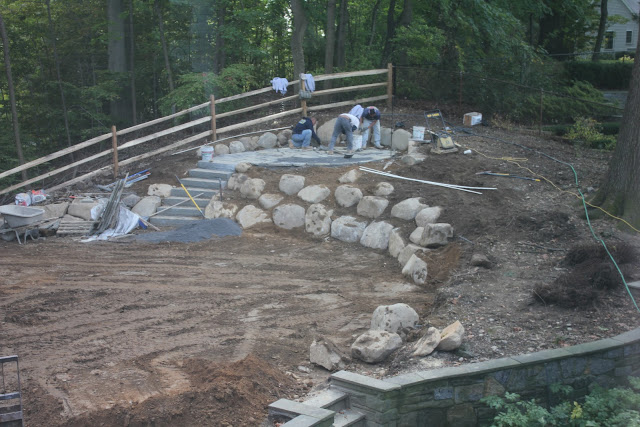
[288, 157]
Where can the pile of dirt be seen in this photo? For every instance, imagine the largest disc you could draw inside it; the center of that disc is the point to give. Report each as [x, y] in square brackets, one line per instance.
[234, 394]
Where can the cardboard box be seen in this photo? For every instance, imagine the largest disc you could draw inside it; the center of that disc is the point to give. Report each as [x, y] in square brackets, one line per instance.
[471, 119]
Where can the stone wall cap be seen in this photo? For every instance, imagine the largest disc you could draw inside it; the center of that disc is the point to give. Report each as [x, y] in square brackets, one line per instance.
[295, 408]
[364, 381]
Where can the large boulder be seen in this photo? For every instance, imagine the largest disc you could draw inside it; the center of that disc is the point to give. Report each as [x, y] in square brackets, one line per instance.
[249, 143]
[250, 216]
[347, 195]
[291, 184]
[146, 207]
[408, 209]
[220, 149]
[57, 210]
[317, 220]
[218, 209]
[325, 131]
[375, 346]
[347, 229]
[428, 216]
[407, 252]
[236, 147]
[252, 188]
[160, 190]
[288, 216]
[269, 200]
[236, 180]
[400, 140]
[385, 137]
[429, 341]
[416, 235]
[451, 337]
[372, 206]
[323, 352]
[268, 140]
[376, 235]
[314, 193]
[394, 318]
[435, 235]
[416, 269]
[350, 177]
[396, 242]
[242, 167]
[81, 208]
[383, 189]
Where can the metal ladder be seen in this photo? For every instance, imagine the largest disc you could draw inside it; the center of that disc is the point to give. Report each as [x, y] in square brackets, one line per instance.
[10, 401]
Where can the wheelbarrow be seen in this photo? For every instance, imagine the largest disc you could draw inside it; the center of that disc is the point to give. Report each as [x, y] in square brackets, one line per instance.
[21, 220]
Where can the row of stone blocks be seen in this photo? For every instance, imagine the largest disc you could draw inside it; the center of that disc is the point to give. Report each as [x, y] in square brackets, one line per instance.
[452, 396]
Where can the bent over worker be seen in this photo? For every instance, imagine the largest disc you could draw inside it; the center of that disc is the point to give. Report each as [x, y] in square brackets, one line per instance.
[346, 123]
[303, 132]
[371, 120]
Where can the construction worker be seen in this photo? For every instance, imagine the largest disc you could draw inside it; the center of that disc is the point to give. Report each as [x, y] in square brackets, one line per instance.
[370, 120]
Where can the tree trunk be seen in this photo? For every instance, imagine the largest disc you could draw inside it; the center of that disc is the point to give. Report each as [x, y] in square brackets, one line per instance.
[299, 28]
[404, 21]
[117, 55]
[342, 34]
[604, 14]
[330, 38]
[620, 193]
[132, 68]
[374, 16]
[52, 35]
[12, 95]
[165, 51]
[220, 55]
[391, 31]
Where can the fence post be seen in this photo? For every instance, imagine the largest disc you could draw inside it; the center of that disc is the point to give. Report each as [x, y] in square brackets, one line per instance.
[114, 143]
[389, 84]
[213, 118]
[303, 101]
[540, 119]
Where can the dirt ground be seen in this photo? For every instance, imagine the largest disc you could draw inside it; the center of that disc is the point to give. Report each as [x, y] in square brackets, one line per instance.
[210, 333]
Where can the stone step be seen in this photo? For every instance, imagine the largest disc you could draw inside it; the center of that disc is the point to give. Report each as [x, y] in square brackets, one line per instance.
[170, 221]
[182, 210]
[172, 200]
[212, 174]
[218, 165]
[350, 418]
[206, 192]
[329, 399]
[191, 182]
[312, 415]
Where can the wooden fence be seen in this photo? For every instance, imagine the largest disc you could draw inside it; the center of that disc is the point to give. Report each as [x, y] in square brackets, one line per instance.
[211, 133]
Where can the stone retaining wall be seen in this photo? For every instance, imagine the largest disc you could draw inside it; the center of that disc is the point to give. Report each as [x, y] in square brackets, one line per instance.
[451, 396]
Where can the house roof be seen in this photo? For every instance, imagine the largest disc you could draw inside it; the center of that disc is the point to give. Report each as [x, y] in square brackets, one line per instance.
[632, 5]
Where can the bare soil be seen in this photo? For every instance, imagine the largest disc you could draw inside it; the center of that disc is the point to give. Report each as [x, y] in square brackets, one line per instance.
[210, 333]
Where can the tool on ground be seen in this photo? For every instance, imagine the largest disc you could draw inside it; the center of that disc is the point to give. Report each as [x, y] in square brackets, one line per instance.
[440, 137]
[139, 176]
[11, 411]
[189, 195]
[174, 205]
[507, 175]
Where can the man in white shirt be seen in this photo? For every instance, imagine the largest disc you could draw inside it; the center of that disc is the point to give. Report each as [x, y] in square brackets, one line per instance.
[346, 123]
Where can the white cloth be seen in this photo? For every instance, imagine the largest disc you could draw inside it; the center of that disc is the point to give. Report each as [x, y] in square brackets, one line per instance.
[279, 84]
[309, 83]
[357, 111]
[353, 119]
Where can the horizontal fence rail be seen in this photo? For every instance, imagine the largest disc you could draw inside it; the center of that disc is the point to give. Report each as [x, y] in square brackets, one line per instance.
[212, 132]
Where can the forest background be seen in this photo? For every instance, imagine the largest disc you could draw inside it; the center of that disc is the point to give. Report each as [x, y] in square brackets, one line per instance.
[76, 67]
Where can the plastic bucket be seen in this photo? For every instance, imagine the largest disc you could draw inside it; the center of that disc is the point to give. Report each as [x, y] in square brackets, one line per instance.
[207, 153]
[357, 142]
[418, 132]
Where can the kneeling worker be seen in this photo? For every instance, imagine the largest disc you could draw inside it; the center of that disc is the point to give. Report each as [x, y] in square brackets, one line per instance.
[303, 132]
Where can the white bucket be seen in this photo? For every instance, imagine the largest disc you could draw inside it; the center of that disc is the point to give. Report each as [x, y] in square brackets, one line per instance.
[357, 142]
[207, 153]
[418, 132]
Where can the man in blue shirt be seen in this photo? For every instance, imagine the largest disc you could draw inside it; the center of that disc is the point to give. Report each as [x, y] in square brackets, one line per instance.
[303, 131]
[371, 120]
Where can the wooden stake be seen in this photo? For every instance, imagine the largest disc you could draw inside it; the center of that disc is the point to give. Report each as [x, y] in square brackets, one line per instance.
[213, 118]
[389, 84]
[303, 102]
[114, 143]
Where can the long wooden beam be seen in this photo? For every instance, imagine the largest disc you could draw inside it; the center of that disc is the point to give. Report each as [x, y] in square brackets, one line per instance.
[347, 103]
[261, 120]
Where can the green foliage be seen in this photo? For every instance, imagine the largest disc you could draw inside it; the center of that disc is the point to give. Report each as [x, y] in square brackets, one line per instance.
[615, 407]
[586, 132]
[601, 74]
[423, 43]
[195, 88]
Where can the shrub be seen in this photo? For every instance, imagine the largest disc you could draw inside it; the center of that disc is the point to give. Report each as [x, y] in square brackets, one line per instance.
[586, 132]
[601, 74]
[614, 407]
